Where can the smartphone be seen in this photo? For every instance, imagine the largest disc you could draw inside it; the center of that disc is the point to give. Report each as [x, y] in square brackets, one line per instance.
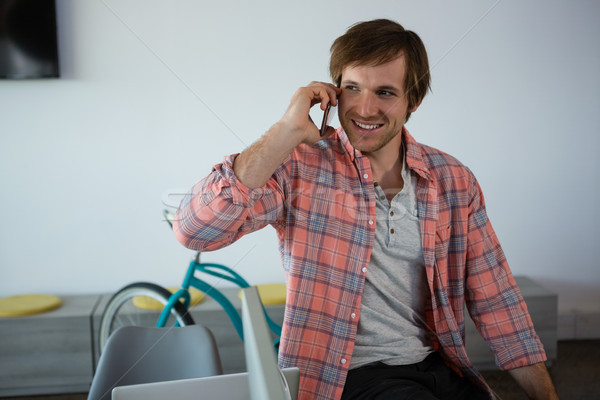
[326, 119]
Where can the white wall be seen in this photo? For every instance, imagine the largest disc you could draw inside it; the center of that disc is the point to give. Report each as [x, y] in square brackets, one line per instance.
[154, 93]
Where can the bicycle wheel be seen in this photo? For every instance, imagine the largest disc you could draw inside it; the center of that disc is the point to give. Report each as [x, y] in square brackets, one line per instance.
[121, 310]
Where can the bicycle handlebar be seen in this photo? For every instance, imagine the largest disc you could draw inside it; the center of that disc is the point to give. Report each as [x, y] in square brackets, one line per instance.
[169, 217]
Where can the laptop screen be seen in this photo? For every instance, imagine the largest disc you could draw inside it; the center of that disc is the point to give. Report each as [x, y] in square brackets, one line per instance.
[265, 378]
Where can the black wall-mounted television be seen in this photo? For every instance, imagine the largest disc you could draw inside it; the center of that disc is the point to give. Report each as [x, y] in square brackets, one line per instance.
[28, 43]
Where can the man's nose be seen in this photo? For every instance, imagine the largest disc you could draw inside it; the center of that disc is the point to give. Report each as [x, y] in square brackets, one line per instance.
[366, 106]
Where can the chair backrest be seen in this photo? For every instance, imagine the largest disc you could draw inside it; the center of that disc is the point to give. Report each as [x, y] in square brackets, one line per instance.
[136, 354]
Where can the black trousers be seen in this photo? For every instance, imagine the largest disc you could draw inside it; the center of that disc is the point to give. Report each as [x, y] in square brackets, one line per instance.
[430, 379]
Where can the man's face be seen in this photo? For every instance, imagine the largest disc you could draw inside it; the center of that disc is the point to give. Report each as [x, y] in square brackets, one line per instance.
[372, 106]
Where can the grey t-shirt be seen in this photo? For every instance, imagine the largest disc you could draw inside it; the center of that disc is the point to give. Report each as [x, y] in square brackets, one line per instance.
[391, 328]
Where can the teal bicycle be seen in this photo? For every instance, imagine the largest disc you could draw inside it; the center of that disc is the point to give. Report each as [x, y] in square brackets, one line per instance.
[123, 308]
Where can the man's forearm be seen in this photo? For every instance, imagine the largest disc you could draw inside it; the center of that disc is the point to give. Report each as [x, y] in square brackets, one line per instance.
[255, 165]
[535, 381]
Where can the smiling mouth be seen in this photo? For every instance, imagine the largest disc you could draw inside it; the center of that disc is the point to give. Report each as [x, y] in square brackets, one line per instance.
[368, 127]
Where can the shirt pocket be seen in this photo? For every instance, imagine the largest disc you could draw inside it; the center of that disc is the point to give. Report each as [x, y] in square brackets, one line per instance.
[442, 245]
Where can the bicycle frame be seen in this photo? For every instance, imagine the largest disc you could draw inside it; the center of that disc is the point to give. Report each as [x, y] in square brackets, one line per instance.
[220, 271]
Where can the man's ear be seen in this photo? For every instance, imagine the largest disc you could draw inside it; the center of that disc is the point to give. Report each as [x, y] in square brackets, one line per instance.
[412, 110]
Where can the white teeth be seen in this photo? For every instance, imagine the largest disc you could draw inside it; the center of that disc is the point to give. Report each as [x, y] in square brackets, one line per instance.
[363, 126]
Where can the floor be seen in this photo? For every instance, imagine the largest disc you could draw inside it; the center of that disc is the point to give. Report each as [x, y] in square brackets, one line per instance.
[576, 375]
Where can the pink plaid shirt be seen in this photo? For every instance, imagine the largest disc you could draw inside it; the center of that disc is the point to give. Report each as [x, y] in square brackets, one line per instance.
[321, 201]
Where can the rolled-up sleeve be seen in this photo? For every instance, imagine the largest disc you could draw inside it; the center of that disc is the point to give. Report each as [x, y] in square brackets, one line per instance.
[220, 209]
[493, 298]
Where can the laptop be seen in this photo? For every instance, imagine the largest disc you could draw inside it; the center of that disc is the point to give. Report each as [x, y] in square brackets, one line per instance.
[231, 386]
[263, 381]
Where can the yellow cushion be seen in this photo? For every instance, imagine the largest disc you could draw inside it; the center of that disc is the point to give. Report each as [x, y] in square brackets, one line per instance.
[271, 294]
[148, 303]
[28, 304]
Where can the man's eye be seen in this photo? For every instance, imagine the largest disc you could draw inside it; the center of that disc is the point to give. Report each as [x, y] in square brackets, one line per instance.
[386, 93]
[351, 87]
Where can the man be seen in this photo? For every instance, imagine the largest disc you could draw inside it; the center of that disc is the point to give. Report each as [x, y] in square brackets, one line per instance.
[383, 240]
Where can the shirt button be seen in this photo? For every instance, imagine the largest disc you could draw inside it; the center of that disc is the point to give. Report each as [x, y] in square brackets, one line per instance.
[353, 315]
[391, 213]
[343, 361]
[366, 176]
[364, 269]
[392, 231]
[370, 222]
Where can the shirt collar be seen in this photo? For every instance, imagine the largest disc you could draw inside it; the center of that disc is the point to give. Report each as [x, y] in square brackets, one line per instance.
[351, 151]
[414, 156]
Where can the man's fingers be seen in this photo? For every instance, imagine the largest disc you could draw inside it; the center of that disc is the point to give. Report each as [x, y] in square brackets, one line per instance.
[324, 93]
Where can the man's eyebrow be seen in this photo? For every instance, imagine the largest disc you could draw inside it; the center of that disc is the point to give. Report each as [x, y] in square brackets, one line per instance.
[390, 88]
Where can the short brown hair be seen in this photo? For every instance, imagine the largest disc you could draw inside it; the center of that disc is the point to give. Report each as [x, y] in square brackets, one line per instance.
[377, 42]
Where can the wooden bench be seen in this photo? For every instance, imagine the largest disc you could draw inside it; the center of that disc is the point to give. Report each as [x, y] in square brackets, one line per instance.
[48, 353]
